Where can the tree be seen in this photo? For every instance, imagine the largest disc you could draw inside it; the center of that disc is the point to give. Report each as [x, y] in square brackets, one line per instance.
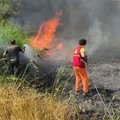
[8, 9]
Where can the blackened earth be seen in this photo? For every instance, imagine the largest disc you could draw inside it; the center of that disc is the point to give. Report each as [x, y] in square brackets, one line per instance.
[103, 101]
[104, 79]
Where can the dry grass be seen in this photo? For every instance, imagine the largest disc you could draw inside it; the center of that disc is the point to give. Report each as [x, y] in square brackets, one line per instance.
[27, 104]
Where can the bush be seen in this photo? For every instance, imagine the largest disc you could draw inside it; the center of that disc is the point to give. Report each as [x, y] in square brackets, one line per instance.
[11, 31]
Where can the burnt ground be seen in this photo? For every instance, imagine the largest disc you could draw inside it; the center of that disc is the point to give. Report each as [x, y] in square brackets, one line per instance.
[105, 72]
[104, 80]
[104, 98]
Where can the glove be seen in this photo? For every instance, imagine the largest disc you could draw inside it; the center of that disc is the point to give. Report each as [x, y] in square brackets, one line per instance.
[84, 59]
[23, 47]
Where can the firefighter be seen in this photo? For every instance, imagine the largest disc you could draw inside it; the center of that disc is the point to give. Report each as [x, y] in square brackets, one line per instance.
[12, 54]
[79, 62]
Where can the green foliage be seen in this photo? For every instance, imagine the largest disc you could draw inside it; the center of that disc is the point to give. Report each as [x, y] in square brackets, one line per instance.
[8, 8]
[11, 31]
[1, 78]
[61, 79]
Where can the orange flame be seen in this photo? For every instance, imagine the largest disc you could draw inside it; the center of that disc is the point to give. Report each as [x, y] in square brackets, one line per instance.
[46, 33]
[60, 46]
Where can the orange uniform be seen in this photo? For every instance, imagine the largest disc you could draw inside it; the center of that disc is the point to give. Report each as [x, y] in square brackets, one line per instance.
[79, 69]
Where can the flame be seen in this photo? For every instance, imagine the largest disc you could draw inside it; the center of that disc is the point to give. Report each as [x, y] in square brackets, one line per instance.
[46, 33]
[60, 46]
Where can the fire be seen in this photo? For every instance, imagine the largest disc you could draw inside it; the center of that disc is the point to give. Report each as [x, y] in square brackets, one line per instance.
[60, 46]
[46, 33]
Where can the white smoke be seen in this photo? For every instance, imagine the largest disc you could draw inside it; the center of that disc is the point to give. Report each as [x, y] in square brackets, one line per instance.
[96, 37]
[98, 21]
[28, 52]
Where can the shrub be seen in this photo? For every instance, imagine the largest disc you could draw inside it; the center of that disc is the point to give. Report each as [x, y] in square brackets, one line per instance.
[11, 31]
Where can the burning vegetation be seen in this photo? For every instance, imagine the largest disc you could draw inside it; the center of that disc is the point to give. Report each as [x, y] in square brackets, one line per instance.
[45, 87]
[46, 33]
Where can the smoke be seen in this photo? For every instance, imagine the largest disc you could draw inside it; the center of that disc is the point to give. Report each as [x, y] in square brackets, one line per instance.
[96, 20]
[97, 37]
[29, 54]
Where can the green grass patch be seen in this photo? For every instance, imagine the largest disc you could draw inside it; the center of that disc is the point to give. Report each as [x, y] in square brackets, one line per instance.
[12, 31]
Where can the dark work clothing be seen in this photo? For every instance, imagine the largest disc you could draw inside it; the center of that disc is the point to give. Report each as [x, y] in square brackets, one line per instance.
[13, 67]
[12, 53]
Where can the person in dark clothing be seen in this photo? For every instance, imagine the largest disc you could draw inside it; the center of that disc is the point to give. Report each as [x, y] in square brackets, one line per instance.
[12, 54]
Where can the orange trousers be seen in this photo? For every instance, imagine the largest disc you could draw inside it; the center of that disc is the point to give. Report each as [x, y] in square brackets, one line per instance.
[81, 76]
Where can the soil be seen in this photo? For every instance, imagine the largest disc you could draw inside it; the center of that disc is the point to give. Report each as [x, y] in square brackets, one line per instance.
[104, 94]
[103, 101]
